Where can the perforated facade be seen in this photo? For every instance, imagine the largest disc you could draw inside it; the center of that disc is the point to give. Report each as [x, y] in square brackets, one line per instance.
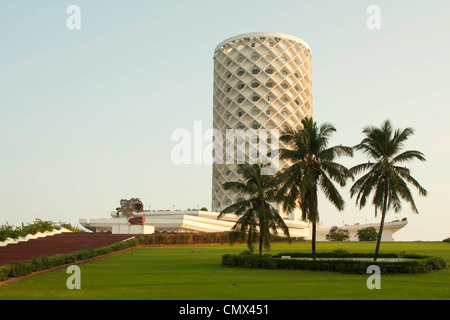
[261, 81]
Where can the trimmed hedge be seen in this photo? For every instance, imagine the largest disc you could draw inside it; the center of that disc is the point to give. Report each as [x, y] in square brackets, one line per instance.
[194, 238]
[181, 238]
[418, 264]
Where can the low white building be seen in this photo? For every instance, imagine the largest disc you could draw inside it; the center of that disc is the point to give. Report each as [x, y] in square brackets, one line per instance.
[204, 221]
[388, 230]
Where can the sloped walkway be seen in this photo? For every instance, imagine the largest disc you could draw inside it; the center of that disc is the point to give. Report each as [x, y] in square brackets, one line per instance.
[57, 244]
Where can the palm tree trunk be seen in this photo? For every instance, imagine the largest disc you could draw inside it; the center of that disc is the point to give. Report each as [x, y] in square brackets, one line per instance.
[313, 240]
[314, 214]
[260, 242]
[380, 232]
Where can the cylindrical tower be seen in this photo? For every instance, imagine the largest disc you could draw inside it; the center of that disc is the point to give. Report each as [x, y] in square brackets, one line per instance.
[261, 80]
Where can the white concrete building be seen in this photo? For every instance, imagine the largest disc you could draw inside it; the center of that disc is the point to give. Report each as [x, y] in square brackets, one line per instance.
[204, 221]
[262, 80]
[178, 221]
[388, 230]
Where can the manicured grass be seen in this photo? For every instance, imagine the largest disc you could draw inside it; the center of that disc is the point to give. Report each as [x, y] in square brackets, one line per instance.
[195, 272]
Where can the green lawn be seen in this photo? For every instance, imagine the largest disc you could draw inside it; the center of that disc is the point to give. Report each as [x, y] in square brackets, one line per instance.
[195, 272]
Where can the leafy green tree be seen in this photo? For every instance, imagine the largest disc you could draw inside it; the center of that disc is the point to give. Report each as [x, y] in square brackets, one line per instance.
[258, 217]
[338, 234]
[385, 176]
[367, 234]
[313, 168]
[70, 227]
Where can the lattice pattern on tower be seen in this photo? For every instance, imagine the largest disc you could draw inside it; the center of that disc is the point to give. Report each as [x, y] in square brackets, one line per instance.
[261, 81]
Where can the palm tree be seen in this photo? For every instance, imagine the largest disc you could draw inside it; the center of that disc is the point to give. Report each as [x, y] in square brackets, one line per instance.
[313, 168]
[387, 177]
[257, 215]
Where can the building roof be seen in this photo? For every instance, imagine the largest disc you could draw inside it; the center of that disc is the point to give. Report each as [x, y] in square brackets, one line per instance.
[262, 34]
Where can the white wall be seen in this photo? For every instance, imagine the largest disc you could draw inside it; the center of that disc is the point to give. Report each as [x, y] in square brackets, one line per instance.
[132, 229]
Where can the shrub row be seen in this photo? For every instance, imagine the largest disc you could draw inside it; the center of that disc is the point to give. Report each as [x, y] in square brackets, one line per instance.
[182, 238]
[420, 264]
[23, 268]
[193, 238]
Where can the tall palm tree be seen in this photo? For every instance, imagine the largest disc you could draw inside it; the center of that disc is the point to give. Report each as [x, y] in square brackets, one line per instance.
[257, 215]
[313, 168]
[386, 177]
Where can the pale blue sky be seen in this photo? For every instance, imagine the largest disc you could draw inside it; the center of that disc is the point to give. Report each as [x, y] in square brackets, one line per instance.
[86, 115]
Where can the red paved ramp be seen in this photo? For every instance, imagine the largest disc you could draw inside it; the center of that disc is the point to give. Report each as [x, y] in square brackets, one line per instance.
[57, 244]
